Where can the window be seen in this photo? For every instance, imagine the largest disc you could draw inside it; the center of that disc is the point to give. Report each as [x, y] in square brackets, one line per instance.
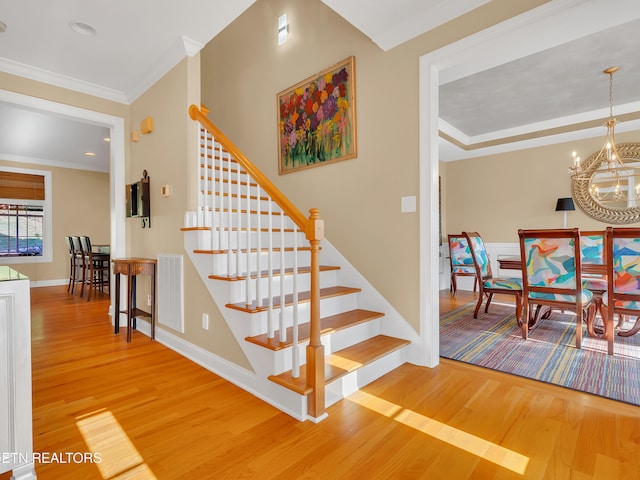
[25, 216]
[21, 230]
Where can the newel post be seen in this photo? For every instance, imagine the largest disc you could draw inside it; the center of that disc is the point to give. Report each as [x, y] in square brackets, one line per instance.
[315, 349]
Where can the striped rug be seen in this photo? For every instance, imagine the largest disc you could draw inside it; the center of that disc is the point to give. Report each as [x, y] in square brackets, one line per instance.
[494, 340]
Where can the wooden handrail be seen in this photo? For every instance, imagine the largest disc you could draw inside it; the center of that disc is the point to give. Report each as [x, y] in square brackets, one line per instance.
[283, 202]
[313, 228]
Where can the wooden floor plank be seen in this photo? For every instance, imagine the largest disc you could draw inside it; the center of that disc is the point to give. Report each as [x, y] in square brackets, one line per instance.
[184, 422]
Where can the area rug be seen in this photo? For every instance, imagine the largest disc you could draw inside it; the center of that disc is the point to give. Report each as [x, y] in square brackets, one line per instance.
[494, 340]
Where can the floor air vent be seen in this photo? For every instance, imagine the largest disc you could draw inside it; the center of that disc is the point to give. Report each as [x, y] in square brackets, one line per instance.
[171, 292]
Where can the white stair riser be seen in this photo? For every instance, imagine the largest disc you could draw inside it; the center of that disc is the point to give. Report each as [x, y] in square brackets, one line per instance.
[221, 263]
[224, 239]
[258, 322]
[229, 216]
[239, 288]
[222, 204]
[350, 383]
[355, 334]
[227, 264]
[282, 360]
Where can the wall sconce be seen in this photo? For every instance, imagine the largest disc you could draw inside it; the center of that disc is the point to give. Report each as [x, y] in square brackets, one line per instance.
[283, 29]
[146, 125]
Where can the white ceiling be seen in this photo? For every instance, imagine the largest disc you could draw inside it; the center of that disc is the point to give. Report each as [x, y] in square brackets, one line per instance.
[137, 42]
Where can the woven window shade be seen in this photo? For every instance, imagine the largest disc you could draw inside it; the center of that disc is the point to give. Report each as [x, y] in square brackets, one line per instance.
[21, 186]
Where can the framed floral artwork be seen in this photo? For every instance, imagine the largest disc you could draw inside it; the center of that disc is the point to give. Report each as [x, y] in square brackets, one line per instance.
[317, 119]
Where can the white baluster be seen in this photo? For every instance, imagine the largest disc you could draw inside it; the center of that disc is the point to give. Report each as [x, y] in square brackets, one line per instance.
[258, 247]
[220, 175]
[205, 178]
[270, 322]
[238, 220]
[229, 217]
[214, 202]
[295, 351]
[247, 256]
[283, 329]
[201, 155]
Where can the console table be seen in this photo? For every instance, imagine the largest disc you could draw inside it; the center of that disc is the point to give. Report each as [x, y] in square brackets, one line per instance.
[132, 267]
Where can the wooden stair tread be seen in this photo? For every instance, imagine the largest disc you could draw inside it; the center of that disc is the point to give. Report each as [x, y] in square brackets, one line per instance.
[276, 272]
[302, 298]
[329, 324]
[343, 362]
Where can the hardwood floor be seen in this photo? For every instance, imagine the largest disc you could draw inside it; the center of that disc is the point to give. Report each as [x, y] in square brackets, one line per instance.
[151, 413]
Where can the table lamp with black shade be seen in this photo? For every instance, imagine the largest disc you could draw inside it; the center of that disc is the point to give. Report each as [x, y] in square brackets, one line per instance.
[564, 205]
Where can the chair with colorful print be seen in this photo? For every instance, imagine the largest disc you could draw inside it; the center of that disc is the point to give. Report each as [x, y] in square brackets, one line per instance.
[460, 261]
[488, 284]
[551, 276]
[594, 271]
[623, 274]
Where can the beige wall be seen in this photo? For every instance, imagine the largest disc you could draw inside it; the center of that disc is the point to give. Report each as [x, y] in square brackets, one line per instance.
[89, 211]
[85, 211]
[167, 155]
[243, 69]
[498, 194]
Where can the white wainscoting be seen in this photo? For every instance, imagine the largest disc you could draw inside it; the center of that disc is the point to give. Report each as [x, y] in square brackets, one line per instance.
[495, 251]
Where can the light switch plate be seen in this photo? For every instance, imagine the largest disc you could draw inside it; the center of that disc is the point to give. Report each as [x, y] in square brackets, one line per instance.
[408, 204]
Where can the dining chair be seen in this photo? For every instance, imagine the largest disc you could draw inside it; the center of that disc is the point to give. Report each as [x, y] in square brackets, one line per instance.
[461, 261]
[623, 274]
[97, 268]
[594, 275]
[551, 276]
[488, 284]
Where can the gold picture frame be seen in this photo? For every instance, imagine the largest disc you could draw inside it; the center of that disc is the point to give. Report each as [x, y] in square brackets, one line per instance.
[317, 119]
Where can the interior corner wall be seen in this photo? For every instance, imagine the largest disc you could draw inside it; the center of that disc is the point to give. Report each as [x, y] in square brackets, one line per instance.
[243, 68]
[497, 194]
[89, 185]
[167, 155]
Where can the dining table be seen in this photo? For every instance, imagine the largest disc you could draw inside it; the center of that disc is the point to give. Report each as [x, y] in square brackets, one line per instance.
[515, 263]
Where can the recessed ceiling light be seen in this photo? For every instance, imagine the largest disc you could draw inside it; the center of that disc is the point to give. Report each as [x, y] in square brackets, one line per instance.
[107, 139]
[90, 154]
[3, 27]
[83, 28]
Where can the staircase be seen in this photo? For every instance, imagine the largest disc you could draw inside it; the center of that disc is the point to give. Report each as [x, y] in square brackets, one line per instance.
[312, 328]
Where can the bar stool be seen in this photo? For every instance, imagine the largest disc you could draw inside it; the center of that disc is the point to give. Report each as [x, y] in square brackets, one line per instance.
[79, 270]
[96, 268]
[72, 264]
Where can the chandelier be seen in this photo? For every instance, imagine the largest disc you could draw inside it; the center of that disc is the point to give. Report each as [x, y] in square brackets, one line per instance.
[610, 179]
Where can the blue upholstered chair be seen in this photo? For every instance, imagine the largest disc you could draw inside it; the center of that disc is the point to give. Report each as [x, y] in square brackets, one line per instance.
[461, 261]
[551, 276]
[623, 274]
[488, 284]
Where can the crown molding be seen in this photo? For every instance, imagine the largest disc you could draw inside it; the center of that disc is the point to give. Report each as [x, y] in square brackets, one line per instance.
[182, 47]
[44, 76]
[93, 167]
